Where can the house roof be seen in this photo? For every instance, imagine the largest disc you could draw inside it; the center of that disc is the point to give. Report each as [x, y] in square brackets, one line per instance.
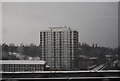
[22, 62]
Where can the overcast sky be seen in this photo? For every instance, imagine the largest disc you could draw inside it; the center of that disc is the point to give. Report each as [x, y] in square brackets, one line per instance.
[96, 22]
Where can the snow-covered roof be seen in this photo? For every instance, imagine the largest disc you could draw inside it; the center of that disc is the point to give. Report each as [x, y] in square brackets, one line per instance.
[22, 62]
[57, 28]
[92, 58]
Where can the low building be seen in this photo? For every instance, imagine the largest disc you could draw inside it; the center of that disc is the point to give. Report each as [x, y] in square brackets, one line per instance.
[22, 65]
[85, 63]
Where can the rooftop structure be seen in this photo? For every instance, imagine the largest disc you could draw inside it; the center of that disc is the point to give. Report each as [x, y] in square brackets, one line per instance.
[58, 29]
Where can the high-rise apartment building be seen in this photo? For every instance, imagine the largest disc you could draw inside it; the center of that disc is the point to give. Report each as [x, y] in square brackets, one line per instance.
[59, 47]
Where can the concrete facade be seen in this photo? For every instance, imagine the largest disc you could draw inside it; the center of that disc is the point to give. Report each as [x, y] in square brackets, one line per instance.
[59, 47]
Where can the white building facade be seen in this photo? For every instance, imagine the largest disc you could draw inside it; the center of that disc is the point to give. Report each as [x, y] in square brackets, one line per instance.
[59, 47]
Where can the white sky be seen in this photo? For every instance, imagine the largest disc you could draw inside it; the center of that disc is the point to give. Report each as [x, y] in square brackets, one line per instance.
[0, 22]
[96, 22]
[59, 0]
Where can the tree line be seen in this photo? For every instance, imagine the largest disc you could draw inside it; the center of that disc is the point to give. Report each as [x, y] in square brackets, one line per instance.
[28, 50]
[34, 50]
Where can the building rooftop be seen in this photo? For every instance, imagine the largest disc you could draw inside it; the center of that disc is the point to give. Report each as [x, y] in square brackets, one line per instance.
[22, 62]
[60, 28]
[55, 28]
